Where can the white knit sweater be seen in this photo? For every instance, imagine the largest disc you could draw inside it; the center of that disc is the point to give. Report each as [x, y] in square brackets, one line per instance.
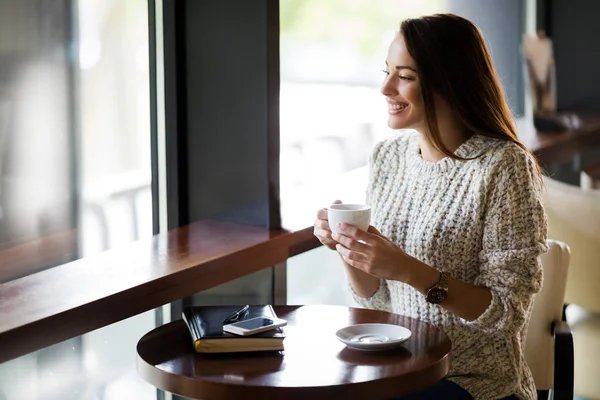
[482, 222]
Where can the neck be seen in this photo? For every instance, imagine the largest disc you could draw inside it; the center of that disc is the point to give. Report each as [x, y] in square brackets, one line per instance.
[453, 135]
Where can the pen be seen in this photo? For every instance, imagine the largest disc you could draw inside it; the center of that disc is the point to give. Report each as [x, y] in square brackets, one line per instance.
[236, 315]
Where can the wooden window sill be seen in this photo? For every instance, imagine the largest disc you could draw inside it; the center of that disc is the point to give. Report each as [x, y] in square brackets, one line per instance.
[69, 300]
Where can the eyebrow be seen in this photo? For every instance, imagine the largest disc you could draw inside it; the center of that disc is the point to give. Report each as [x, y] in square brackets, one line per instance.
[399, 67]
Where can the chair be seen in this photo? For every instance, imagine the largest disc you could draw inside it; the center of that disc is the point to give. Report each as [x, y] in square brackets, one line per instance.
[549, 344]
[590, 176]
[574, 218]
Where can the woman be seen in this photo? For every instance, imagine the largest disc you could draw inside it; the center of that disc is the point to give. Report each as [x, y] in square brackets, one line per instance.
[456, 202]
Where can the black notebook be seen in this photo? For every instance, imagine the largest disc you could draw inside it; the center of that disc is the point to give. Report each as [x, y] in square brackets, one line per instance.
[205, 324]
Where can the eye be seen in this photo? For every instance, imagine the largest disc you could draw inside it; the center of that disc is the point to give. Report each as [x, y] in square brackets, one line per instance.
[385, 71]
[406, 78]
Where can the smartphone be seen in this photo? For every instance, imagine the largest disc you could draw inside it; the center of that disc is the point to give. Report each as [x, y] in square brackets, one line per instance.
[254, 325]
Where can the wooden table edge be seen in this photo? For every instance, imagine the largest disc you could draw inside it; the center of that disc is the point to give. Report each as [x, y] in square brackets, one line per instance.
[185, 386]
[189, 387]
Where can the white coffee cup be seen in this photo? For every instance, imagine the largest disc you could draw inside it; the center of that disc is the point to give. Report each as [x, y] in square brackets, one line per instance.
[358, 215]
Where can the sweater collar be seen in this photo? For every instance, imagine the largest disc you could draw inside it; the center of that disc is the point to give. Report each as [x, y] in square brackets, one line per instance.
[472, 147]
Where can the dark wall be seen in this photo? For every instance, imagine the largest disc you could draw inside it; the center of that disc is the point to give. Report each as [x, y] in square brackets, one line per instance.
[575, 31]
[502, 24]
[229, 109]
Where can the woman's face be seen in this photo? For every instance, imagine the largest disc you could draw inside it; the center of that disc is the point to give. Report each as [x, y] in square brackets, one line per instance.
[401, 88]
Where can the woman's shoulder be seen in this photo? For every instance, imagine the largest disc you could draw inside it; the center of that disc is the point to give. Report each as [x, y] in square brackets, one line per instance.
[508, 161]
[509, 154]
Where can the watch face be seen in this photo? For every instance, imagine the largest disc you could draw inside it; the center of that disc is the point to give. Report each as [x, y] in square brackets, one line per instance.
[436, 295]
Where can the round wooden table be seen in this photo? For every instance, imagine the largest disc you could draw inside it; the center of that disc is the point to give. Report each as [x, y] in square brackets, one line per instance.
[315, 364]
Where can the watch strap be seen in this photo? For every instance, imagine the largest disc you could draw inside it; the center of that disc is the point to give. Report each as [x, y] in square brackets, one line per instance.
[444, 281]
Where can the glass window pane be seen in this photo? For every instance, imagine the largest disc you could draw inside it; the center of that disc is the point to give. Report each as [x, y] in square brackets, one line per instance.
[38, 221]
[332, 55]
[100, 365]
[114, 112]
[331, 287]
[74, 130]
[74, 174]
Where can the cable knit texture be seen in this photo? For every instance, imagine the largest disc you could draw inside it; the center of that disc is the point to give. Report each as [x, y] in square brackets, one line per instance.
[482, 222]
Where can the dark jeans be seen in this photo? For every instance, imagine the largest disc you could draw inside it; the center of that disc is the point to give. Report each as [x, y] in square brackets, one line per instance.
[443, 390]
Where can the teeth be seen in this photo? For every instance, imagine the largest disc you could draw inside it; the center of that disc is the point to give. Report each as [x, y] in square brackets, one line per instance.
[397, 106]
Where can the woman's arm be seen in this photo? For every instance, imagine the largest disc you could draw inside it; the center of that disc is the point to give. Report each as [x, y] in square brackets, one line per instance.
[510, 272]
[363, 284]
[367, 290]
[464, 300]
[514, 237]
[365, 272]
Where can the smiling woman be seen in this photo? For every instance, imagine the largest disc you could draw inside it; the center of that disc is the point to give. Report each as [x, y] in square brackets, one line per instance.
[332, 111]
[458, 224]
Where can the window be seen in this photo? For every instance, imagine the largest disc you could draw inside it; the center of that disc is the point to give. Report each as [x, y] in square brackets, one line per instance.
[74, 131]
[74, 173]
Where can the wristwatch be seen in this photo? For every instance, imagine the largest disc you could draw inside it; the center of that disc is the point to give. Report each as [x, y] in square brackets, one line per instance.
[438, 292]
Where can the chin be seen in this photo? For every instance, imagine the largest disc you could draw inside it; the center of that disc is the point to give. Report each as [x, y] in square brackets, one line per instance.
[398, 123]
[393, 123]
[396, 126]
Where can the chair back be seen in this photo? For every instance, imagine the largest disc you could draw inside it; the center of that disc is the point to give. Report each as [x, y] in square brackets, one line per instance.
[574, 219]
[547, 308]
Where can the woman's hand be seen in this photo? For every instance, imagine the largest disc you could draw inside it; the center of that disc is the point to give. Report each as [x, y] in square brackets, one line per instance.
[322, 230]
[373, 253]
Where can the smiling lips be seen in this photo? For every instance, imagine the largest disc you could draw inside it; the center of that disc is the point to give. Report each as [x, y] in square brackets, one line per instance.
[396, 107]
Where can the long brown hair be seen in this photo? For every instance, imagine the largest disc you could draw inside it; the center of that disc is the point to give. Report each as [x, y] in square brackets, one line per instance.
[454, 62]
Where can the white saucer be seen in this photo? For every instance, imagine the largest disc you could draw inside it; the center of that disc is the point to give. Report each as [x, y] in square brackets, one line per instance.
[373, 337]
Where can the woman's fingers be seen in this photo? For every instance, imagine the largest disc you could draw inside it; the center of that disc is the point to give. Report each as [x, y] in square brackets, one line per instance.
[324, 237]
[355, 233]
[350, 243]
[321, 227]
[322, 234]
[322, 214]
[322, 224]
[353, 258]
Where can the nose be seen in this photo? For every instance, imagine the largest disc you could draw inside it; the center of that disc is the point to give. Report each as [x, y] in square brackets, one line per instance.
[388, 88]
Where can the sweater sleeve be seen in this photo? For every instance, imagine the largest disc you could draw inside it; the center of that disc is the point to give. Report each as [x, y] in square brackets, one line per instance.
[380, 300]
[514, 237]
